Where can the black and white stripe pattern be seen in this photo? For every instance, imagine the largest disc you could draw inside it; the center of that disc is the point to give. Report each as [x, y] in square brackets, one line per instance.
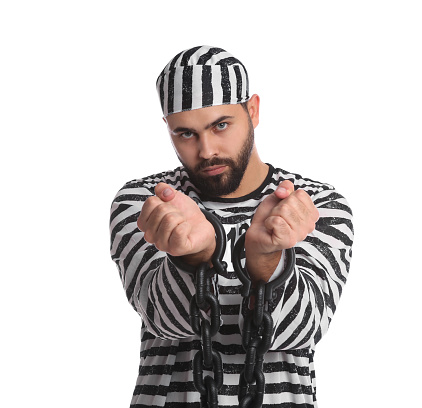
[160, 293]
[200, 77]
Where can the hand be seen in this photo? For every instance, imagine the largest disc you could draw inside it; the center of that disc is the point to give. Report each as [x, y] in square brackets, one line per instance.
[173, 222]
[282, 220]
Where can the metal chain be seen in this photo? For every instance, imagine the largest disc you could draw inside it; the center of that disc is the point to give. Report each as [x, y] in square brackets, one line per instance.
[257, 327]
[205, 300]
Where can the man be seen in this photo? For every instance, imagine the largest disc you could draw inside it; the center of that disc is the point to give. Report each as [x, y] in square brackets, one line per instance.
[211, 120]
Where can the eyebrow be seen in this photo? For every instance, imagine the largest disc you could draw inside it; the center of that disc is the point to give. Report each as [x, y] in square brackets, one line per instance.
[210, 125]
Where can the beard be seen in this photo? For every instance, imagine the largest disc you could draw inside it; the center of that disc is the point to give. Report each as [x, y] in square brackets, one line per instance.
[229, 181]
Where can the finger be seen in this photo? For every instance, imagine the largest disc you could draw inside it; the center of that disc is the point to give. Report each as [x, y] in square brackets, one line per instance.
[168, 223]
[291, 208]
[300, 202]
[179, 243]
[281, 232]
[291, 214]
[165, 192]
[284, 189]
[306, 200]
[153, 222]
[297, 215]
[265, 208]
[149, 206]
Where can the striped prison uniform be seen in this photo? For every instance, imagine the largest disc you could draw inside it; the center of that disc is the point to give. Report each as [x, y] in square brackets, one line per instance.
[160, 293]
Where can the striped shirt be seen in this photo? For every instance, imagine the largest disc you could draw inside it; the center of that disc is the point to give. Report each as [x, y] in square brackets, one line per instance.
[160, 292]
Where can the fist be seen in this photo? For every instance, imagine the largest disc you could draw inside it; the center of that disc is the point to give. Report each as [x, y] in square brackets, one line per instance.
[283, 219]
[173, 222]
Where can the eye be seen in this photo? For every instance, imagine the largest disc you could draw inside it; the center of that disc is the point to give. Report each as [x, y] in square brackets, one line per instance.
[186, 135]
[222, 125]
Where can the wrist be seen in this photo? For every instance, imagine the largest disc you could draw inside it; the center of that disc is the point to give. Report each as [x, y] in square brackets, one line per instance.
[262, 266]
[199, 257]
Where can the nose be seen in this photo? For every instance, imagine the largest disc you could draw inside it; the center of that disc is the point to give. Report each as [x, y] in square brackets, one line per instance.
[207, 146]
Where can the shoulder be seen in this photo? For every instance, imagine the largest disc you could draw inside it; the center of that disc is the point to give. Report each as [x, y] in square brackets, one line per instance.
[172, 177]
[323, 194]
[138, 190]
[311, 186]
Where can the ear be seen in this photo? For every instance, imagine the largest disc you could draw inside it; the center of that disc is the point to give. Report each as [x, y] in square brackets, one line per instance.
[253, 109]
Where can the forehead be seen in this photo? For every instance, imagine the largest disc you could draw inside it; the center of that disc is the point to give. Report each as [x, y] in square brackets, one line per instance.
[200, 118]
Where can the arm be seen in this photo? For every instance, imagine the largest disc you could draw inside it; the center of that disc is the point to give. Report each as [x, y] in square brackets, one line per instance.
[155, 287]
[305, 304]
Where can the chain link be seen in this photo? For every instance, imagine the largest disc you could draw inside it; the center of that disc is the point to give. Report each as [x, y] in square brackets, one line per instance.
[257, 327]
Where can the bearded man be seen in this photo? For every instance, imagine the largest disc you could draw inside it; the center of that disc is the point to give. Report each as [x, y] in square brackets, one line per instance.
[158, 231]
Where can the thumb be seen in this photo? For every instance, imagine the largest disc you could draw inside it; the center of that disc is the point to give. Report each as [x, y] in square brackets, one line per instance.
[165, 192]
[284, 189]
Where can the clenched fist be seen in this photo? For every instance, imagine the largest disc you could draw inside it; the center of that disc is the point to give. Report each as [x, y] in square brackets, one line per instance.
[282, 220]
[173, 222]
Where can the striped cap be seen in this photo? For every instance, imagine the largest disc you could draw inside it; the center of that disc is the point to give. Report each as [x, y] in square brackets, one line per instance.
[200, 77]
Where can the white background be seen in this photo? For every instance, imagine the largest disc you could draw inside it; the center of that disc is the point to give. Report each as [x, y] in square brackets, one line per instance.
[340, 87]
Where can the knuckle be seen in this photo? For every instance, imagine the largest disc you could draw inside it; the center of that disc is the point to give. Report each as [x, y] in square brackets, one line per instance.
[150, 202]
[170, 220]
[275, 222]
[159, 244]
[290, 214]
[148, 237]
[166, 222]
[160, 210]
[285, 210]
[278, 222]
[178, 235]
[302, 194]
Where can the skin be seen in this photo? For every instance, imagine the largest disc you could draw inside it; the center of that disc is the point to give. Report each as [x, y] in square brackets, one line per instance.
[174, 223]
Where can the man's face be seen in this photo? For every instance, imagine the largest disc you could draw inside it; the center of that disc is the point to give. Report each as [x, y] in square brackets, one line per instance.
[214, 144]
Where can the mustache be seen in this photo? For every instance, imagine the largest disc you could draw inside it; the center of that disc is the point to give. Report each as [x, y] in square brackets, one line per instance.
[216, 161]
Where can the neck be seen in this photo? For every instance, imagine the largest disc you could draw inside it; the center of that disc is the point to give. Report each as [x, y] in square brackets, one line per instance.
[255, 174]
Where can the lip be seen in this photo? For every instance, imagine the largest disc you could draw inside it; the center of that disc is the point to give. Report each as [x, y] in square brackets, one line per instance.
[214, 170]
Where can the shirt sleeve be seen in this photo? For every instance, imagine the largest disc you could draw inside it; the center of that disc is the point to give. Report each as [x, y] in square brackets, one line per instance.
[305, 304]
[157, 289]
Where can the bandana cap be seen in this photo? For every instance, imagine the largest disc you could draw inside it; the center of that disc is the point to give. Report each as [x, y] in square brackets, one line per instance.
[200, 77]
